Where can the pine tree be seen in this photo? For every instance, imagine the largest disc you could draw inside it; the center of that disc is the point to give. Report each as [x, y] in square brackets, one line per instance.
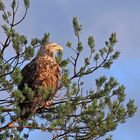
[79, 113]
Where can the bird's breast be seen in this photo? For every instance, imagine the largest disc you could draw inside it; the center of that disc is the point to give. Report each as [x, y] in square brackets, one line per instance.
[47, 74]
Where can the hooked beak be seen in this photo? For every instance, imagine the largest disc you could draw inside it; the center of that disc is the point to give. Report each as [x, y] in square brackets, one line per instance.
[59, 48]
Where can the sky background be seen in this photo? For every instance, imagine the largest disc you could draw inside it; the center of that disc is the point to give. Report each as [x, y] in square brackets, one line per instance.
[99, 18]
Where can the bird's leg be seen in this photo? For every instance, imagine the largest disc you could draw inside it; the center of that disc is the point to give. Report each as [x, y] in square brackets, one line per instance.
[50, 101]
[48, 104]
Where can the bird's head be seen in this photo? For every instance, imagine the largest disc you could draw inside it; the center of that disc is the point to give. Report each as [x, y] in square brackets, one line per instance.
[50, 49]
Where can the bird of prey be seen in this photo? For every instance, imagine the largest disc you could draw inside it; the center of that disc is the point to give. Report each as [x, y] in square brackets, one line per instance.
[43, 71]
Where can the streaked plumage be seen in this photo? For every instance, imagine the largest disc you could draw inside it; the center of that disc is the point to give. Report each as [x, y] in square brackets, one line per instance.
[41, 71]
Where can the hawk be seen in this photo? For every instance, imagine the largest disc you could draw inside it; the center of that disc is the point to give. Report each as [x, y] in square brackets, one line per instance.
[42, 71]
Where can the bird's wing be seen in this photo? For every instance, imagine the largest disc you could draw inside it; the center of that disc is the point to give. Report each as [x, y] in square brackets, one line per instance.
[28, 74]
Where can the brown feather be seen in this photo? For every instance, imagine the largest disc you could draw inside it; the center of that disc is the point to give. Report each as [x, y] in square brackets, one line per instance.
[41, 71]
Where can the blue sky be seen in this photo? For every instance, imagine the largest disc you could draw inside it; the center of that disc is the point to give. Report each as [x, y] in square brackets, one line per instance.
[99, 18]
